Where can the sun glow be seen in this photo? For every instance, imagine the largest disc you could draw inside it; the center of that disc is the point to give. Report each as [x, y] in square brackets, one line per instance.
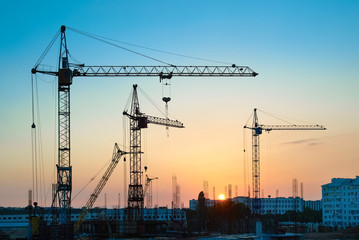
[221, 197]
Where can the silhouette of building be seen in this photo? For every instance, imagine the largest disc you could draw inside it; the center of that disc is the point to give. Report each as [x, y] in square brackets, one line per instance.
[278, 205]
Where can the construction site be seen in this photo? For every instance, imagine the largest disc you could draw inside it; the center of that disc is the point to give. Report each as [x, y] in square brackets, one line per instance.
[139, 217]
[134, 220]
[197, 120]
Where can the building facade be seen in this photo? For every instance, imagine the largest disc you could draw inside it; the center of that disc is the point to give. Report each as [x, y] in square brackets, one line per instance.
[340, 200]
[278, 205]
[20, 217]
[315, 205]
[281, 205]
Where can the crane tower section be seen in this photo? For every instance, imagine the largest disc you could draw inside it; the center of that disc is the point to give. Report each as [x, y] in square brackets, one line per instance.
[138, 120]
[257, 130]
[64, 169]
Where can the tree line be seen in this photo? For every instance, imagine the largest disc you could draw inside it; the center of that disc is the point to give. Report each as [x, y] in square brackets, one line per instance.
[229, 217]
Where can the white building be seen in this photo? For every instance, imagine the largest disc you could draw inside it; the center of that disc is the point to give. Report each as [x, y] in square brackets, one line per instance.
[281, 205]
[20, 216]
[341, 202]
[278, 205]
[315, 205]
[245, 200]
[208, 203]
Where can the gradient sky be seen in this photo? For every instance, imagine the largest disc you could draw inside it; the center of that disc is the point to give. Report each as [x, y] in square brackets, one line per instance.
[306, 54]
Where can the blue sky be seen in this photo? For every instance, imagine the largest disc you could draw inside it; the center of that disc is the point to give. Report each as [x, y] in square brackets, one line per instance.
[306, 53]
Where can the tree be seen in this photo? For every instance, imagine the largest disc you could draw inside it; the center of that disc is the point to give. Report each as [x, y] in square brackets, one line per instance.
[228, 217]
[201, 211]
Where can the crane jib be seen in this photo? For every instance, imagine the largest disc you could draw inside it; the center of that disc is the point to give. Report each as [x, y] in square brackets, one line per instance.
[66, 74]
[165, 71]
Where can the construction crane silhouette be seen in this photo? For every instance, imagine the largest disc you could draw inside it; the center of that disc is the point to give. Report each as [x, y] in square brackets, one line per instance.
[116, 156]
[257, 130]
[67, 71]
[148, 191]
[138, 121]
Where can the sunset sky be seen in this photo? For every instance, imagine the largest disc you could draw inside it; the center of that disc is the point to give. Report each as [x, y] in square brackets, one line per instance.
[306, 53]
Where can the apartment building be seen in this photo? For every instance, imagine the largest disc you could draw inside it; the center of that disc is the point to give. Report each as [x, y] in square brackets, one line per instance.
[340, 200]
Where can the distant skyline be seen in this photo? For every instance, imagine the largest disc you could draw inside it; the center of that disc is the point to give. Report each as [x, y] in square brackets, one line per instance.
[306, 54]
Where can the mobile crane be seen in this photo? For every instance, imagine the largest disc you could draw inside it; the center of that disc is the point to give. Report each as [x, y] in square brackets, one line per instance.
[116, 156]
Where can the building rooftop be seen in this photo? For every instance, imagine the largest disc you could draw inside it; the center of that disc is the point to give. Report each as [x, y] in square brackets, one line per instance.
[336, 182]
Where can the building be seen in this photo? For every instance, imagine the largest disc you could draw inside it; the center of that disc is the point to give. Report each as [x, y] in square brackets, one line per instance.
[245, 200]
[340, 200]
[12, 217]
[315, 205]
[278, 205]
[208, 203]
[15, 222]
[281, 205]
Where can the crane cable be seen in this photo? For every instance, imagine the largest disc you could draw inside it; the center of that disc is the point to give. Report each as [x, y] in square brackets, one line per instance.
[245, 125]
[55, 140]
[47, 49]
[244, 163]
[40, 152]
[245, 160]
[93, 178]
[276, 116]
[125, 134]
[98, 37]
[38, 172]
[155, 104]
[166, 97]
[269, 163]
[33, 143]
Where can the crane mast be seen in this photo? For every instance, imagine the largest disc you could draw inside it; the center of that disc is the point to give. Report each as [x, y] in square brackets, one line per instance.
[148, 191]
[257, 130]
[64, 168]
[65, 73]
[138, 121]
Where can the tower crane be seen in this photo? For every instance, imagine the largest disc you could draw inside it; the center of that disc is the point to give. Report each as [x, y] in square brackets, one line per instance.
[138, 120]
[67, 71]
[148, 191]
[257, 130]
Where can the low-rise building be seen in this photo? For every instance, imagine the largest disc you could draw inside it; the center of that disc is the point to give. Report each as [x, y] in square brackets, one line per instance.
[208, 203]
[278, 205]
[281, 205]
[16, 216]
[315, 205]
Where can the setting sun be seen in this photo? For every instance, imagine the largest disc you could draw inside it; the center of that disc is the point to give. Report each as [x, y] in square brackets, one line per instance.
[221, 197]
